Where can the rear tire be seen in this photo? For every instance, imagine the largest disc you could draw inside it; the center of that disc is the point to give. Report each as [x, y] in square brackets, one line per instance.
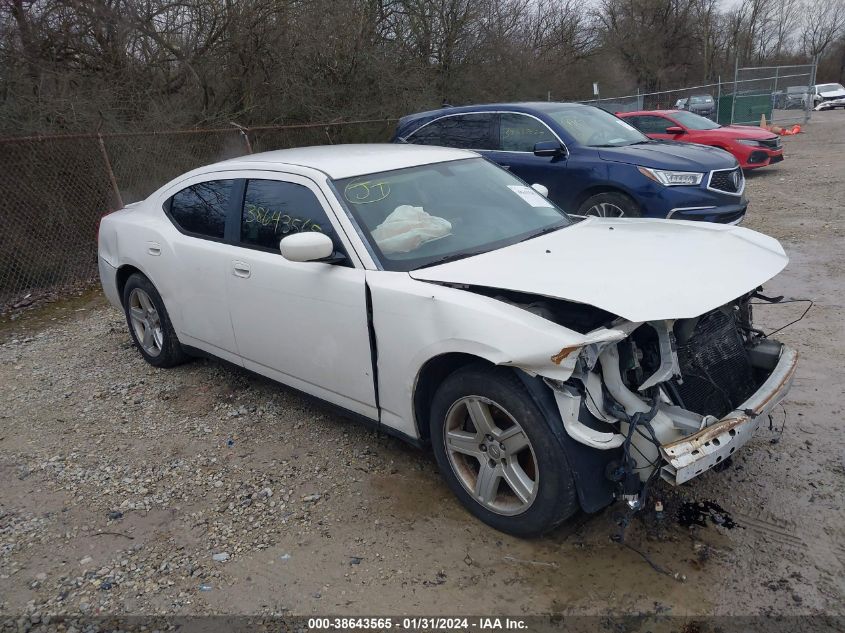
[610, 204]
[498, 454]
[149, 324]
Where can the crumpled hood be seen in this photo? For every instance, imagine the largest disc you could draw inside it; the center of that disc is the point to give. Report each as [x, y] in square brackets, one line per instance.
[639, 269]
[670, 155]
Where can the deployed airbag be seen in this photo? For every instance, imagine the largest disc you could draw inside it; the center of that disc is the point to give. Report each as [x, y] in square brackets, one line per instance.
[408, 228]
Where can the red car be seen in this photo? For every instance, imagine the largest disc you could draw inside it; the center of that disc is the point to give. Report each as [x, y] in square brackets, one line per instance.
[752, 146]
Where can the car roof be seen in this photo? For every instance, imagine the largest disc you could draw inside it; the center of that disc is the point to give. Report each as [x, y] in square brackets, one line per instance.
[641, 112]
[346, 161]
[531, 107]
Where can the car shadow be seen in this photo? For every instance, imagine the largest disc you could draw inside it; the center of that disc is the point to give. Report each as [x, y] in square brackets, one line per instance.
[761, 173]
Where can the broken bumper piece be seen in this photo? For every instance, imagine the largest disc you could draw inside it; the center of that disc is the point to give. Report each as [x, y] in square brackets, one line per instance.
[694, 454]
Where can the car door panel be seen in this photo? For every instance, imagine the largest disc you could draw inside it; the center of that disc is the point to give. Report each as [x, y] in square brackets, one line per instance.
[197, 267]
[304, 324]
[301, 323]
[518, 133]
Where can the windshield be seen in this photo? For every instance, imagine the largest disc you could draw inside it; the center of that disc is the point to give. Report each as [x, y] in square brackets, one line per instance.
[425, 215]
[829, 87]
[694, 122]
[594, 127]
[704, 99]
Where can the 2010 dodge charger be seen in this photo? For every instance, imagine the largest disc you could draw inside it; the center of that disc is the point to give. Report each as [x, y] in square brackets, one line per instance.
[550, 364]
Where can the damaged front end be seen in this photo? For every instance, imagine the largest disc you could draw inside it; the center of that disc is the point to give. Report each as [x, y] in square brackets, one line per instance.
[673, 398]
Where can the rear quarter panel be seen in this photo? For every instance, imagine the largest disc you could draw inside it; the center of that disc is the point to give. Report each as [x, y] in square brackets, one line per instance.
[125, 239]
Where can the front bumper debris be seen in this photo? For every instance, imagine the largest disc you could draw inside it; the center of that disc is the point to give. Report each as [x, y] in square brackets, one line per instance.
[694, 454]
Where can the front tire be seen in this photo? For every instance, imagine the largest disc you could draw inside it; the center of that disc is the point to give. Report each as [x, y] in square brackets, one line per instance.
[149, 323]
[498, 454]
[610, 204]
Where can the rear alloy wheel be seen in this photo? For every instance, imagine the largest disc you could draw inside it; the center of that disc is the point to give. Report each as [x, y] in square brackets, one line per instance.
[498, 453]
[149, 323]
[146, 322]
[610, 204]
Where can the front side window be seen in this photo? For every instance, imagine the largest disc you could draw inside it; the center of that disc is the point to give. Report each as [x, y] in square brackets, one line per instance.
[463, 131]
[519, 133]
[201, 208]
[594, 127]
[649, 124]
[421, 216]
[273, 209]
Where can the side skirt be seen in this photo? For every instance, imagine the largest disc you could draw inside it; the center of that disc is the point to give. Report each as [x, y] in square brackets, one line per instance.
[369, 423]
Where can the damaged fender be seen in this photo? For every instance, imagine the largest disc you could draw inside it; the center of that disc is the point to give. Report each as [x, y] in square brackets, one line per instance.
[426, 320]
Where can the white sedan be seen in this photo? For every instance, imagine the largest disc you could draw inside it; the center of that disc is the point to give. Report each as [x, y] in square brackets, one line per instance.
[551, 364]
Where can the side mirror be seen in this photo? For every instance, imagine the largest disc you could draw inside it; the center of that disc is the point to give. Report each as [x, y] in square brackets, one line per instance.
[675, 129]
[549, 148]
[541, 189]
[306, 247]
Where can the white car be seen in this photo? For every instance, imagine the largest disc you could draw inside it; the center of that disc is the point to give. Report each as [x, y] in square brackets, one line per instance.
[551, 364]
[822, 93]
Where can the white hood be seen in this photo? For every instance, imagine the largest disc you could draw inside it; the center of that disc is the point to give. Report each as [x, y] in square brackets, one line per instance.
[639, 269]
[833, 94]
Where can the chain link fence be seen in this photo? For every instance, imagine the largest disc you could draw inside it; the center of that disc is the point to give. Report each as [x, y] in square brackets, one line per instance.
[780, 93]
[55, 189]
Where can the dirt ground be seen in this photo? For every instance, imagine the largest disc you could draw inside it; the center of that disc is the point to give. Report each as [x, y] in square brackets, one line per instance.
[120, 482]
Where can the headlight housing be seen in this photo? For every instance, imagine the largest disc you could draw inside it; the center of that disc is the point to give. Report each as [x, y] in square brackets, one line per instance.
[671, 178]
[750, 142]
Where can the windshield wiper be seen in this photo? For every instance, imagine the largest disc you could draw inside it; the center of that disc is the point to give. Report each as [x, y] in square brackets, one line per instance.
[548, 229]
[450, 258]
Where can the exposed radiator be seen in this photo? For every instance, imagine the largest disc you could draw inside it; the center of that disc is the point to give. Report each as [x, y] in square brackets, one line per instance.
[717, 375]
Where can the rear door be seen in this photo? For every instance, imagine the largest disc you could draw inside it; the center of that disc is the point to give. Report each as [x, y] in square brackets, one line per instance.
[198, 211]
[473, 130]
[654, 126]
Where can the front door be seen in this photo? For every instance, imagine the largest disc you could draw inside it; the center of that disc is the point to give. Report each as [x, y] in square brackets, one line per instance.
[518, 133]
[301, 323]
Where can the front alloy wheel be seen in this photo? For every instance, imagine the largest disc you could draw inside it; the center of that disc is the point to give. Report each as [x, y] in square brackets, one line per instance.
[498, 453]
[610, 204]
[491, 454]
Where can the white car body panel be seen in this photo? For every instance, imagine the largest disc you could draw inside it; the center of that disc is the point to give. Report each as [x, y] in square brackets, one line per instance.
[417, 321]
[723, 262]
[305, 324]
[832, 94]
[309, 324]
[345, 161]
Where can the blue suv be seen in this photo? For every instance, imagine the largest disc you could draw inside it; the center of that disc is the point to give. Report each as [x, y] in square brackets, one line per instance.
[591, 162]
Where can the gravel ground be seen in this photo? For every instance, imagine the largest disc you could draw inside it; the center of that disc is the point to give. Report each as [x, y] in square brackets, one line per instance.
[208, 490]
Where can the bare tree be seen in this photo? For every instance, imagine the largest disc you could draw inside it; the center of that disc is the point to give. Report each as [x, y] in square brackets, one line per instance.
[824, 21]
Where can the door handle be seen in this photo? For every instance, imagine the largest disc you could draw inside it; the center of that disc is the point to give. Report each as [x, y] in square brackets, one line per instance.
[153, 248]
[240, 269]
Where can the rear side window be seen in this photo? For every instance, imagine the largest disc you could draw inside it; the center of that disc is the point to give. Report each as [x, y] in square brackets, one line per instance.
[650, 124]
[201, 208]
[273, 209]
[519, 133]
[465, 131]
